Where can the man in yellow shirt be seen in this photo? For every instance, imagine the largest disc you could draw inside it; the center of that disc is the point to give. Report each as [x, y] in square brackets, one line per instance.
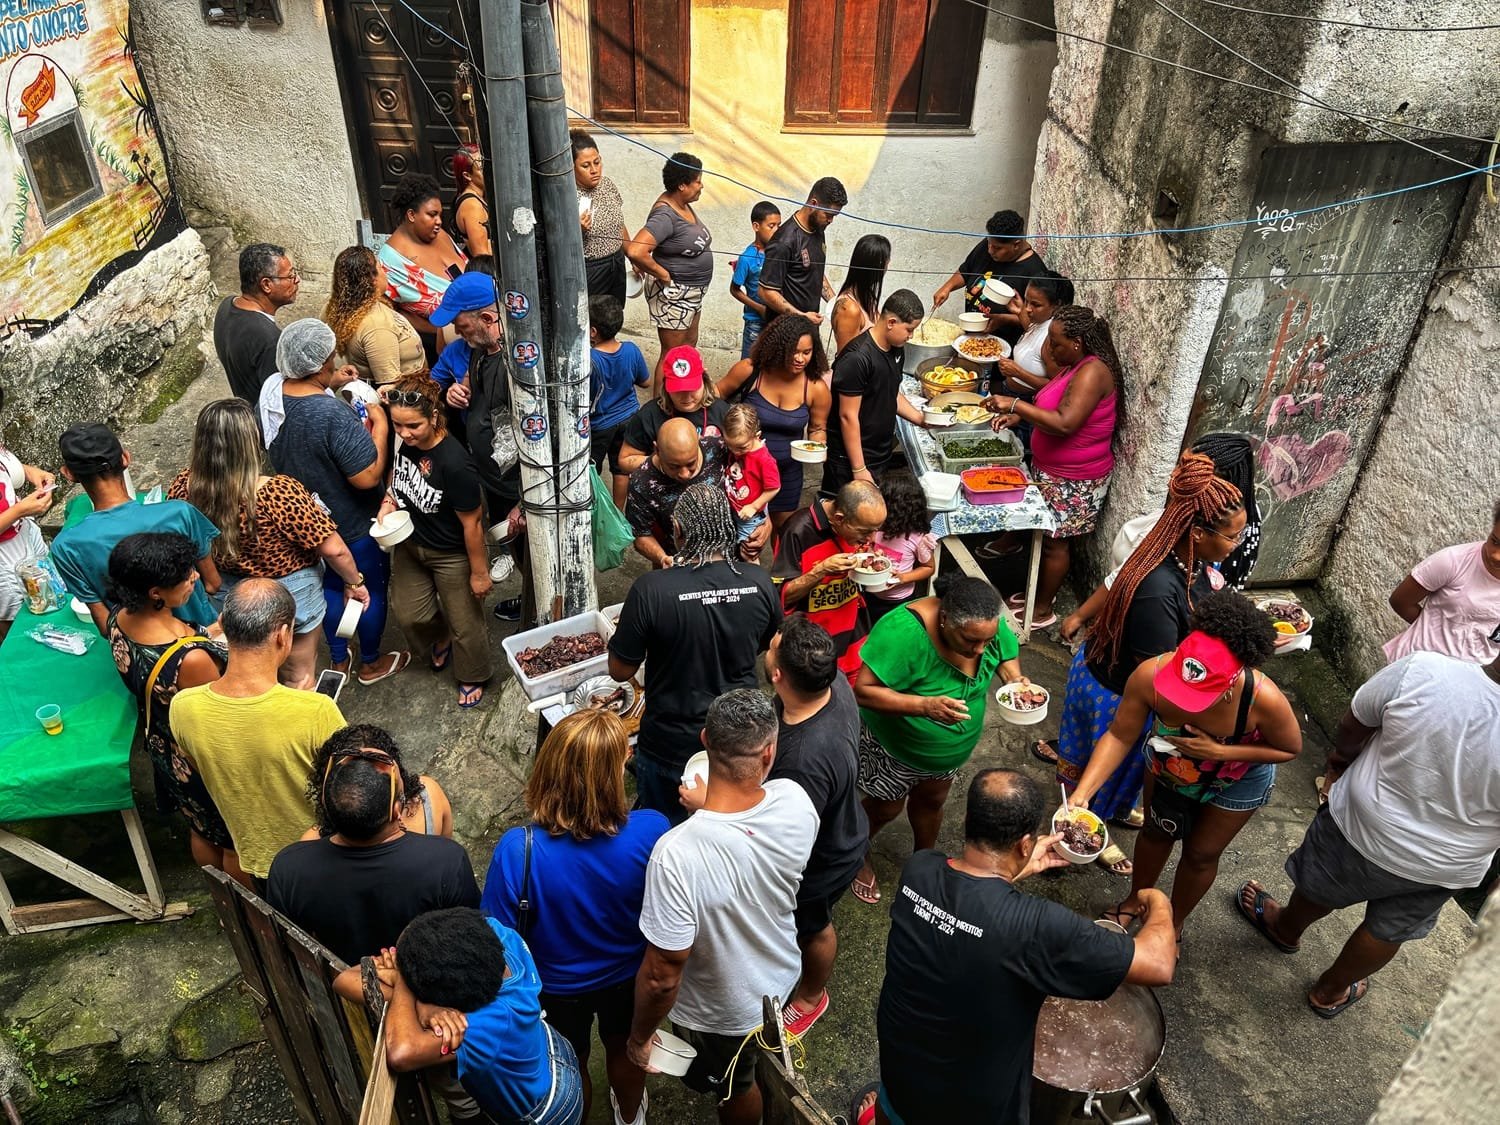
[251, 739]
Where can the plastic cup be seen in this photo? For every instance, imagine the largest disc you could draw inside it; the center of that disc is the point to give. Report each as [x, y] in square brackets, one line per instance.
[50, 717]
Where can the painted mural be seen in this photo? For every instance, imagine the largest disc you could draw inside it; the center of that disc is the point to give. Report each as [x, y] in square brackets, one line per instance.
[83, 180]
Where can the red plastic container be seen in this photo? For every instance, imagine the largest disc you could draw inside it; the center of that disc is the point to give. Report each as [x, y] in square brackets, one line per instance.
[983, 495]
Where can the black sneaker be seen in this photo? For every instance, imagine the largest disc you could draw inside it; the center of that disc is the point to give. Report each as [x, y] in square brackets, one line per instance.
[508, 610]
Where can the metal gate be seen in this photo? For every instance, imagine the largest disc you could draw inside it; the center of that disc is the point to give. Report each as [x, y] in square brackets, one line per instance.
[1315, 325]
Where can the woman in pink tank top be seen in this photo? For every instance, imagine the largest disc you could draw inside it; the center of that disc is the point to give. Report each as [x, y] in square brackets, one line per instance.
[1074, 418]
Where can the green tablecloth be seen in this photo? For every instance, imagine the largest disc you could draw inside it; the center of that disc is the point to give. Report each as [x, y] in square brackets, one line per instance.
[86, 769]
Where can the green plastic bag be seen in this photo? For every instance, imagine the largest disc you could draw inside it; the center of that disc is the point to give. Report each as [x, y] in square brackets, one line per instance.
[612, 535]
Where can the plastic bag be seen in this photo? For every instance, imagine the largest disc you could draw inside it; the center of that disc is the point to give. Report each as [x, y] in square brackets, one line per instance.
[612, 535]
[70, 641]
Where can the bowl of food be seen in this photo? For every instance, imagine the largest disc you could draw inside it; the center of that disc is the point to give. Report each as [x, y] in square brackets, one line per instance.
[937, 415]
[395, 528]
[983, 348]
[940, 378]
[1288, 618]
[1023, 705]
[810, 452]
[994, 484]
[873, 571]
[1084, 835]
[932, 339]
[602, 693]
[973, 321]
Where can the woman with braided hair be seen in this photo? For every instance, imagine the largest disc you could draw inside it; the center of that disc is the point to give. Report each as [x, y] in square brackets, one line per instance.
[1146, 613]
[1073, 423]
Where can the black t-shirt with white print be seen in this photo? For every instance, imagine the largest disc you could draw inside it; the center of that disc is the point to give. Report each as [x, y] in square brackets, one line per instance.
[434, 485]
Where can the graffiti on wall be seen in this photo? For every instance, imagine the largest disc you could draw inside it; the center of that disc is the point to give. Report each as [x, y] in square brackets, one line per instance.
[83, 178]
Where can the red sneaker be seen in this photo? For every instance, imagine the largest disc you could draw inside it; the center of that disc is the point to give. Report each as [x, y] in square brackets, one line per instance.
[799, 1022]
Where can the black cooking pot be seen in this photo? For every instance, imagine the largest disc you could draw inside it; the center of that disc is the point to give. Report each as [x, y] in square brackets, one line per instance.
[1097, 1059]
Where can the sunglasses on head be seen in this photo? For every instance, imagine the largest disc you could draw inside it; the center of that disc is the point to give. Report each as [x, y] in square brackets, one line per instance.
[377, 758]
[406, 398]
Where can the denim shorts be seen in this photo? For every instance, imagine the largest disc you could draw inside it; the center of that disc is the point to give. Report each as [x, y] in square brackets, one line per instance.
[306, 588]
[746, 528]
[563, 1104]
[1249, 792]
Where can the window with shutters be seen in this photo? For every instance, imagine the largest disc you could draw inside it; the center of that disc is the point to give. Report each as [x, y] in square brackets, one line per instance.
[641, 52]
[882, 64]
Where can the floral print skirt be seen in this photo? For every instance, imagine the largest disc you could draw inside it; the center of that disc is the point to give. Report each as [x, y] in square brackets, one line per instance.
[1075, 503]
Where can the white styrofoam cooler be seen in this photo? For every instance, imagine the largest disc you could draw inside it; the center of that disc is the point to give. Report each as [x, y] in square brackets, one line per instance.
[564, 679]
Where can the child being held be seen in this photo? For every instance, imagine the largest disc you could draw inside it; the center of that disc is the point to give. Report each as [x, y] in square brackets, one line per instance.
[906, 539]
[616, 368]
[751, 478]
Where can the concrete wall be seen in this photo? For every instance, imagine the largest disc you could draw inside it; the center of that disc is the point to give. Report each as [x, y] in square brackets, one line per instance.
[255, 128]
[944, 182]
[1120, 129]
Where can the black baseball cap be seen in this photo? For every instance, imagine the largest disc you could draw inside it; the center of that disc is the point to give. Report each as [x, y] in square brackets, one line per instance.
[91, 448]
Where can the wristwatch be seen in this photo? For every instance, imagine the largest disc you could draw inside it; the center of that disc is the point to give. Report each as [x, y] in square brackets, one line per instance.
[359, 581]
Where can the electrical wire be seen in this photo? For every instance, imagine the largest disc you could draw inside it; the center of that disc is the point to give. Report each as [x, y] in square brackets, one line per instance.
[1413, 28]
[396, 39]
[1306, 94]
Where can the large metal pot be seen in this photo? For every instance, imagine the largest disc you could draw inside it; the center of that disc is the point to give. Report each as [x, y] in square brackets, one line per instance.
[914, 354]
[1097, 1059]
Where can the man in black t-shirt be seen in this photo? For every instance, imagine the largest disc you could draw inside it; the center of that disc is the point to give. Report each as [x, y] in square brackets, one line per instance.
[970, 960]
[792, 277]
[867, 395]
[1003, 256]
[681, 460]
[698, 626]
[817, 746]
[357, 888]
[245, 329]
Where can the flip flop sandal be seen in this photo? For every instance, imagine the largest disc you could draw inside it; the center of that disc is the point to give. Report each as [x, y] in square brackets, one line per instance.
[438, 664]
[993, 550]
[1122, 918]
[1357, 992]
[1256, 916]
[1112, 857]
[467, 697]
[401, 661]
[1049, 754]
[1136, 819]
[868, 1116]
[866, 892]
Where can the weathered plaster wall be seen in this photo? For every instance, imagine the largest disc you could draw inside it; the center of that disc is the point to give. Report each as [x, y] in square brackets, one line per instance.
[1451, 1077]
[116, 357]
[255, 127]
[1433, 477]
[945, 182]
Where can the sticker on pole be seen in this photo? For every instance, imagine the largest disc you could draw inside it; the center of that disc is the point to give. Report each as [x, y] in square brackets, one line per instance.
[516, 304]
[582, 426]
[534, 427]
[526, 353]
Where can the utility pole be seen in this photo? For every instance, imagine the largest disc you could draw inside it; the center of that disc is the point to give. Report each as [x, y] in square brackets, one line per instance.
[519, 298]
[565, 290]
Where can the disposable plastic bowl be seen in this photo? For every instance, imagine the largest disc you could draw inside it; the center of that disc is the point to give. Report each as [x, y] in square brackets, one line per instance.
[1014, 715]
[941, 490]
[81, 611]
[872, 579]
[1098, 825]
[937, 417]
[695, 773]
[635, 284]
[997, 292]
[349, 619]
[803, 451]
[672, 1055]
[395, 528]
[973, 322]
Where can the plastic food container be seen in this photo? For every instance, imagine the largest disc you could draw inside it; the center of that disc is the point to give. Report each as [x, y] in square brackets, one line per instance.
[996, 292]
[566, 678]
[957, 462]
[672, 1055]
[941, 490]
[973, 321]
[937, 417]
[349, 619]
[695, 773]
[1093, 821]
[1015, 715]
[810, 452]
[977, 491]
[395, 528]
[871, 579]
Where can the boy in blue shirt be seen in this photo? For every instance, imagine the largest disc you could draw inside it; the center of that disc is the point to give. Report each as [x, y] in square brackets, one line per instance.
[616, 369]
[744, 286]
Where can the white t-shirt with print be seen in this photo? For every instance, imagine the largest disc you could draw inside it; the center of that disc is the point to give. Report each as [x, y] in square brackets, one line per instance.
[1461, 617]
[1423, 799]
[725, 884]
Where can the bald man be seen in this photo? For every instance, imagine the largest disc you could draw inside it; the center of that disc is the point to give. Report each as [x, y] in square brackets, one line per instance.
[819, 547]
[682, 459]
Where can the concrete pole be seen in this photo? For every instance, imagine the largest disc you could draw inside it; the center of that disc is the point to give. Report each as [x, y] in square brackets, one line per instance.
[565, 291]
[520, 295]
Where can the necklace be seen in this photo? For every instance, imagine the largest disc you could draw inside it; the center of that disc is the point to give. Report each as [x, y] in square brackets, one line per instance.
[1186, 573]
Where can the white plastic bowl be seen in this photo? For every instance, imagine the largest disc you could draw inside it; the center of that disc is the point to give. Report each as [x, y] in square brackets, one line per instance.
[973, 321]
[349, 619]
[81, 611]
[1017, 717]
[937, 417]
[395, 528]
[1068, 853]
[872, 579]
[801, 452]
[635, 284]
[671, 1054]
[997, 292]
[695, 773]
[941, 490]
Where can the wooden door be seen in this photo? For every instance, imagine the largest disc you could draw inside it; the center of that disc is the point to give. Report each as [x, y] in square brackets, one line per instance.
[1315, 324]
[400, 82]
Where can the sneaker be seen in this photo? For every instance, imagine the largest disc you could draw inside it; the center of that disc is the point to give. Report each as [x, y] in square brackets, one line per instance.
[799, 1022]
[508, 610]
[502, 568]
[640, 1118]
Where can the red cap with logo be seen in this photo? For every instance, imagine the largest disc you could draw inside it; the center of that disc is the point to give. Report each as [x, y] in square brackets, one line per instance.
[1201, 670]
[682, 369]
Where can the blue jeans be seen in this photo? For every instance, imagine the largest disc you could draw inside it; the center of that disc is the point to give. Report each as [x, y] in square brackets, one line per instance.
[746, 528]
[375, 565]
[749, 336]
[563, 1105]
[656, 788]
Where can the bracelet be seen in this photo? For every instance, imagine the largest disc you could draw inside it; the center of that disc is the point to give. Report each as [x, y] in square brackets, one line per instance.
[1015, 399]
[858, 470]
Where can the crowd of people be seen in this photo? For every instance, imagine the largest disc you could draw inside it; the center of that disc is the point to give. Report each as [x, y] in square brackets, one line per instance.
[702, 893]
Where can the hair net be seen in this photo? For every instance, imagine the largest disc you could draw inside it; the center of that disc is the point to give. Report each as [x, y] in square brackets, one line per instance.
[304, 347]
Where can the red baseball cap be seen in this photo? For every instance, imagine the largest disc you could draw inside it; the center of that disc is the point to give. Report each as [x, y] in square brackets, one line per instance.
[1201, 670]
[682, 369]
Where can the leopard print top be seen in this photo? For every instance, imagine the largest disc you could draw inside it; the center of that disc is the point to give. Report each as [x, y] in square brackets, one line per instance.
[289, 526]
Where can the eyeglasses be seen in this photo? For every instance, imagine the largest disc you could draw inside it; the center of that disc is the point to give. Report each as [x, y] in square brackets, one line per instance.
[295, 275]
[1232, 540]
[405, 398]
[377, 758]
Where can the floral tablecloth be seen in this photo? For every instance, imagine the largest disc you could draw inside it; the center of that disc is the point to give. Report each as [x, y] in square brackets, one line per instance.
[1031, 514]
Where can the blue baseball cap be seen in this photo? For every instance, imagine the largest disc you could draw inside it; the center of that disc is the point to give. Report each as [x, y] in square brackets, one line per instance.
[469, 292]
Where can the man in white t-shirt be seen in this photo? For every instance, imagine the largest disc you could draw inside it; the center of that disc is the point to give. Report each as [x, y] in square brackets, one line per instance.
[1451, 602]
[1413, 815]
[718, 914]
